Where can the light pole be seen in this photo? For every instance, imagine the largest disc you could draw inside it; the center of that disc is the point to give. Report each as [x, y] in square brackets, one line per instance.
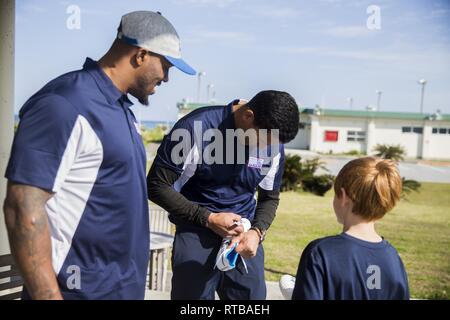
[379, 93]
[209, 89]
[213, 97]
[422, 82]
[350, 102]
[200, 75]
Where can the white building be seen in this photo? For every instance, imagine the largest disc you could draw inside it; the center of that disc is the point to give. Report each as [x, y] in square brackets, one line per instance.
[340, 131]
[186, 107]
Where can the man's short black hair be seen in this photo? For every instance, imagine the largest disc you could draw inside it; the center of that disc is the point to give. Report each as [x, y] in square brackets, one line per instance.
[276, 110]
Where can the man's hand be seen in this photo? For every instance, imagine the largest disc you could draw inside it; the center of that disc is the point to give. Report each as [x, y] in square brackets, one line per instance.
[248, 244]
[29, 238]
[224, 224]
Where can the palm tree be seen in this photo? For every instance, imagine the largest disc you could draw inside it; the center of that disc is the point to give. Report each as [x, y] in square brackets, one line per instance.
[393, 152]
[396, 153]
[301, 174]
[292, 173]
[409, 185]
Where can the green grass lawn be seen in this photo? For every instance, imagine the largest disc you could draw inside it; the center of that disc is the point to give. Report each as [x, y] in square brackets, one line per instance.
[418, 227]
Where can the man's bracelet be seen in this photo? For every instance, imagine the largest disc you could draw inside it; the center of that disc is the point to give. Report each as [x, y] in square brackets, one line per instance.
[261, 233]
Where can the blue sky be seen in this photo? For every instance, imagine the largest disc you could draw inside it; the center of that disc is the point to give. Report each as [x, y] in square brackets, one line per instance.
[319, 51]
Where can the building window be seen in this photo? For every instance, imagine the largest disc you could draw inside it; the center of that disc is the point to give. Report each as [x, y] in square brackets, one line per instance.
[418, 130]
[331, 136]
[441, 131]
[356, 136]
[406, 129]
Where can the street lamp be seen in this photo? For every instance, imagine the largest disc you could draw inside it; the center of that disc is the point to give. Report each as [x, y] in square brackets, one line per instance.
[350, 102]
[379, 93]
[422, 82]
[209, 89]
[200, 75]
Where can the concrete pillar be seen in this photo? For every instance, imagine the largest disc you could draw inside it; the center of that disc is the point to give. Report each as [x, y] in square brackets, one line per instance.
[7, 28]
[370, 136]
[426, 137]
[314, 136]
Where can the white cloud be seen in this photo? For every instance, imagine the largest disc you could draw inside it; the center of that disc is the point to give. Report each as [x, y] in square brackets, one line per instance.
[354, 3]
[275, 12]
[84, 10]
[217, 3]
[348, 31]
[203, 35]
[350, 54]
[266, 11]
[35, 8]
[92, 12]
[439, 13]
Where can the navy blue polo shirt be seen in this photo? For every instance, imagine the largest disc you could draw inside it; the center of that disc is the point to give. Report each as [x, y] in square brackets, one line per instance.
[216, 172]
[343, 267]
[78, 139]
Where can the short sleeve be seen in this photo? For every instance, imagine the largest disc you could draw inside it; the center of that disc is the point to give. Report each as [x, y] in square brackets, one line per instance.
[41, 141]
[272, 181]
[310, 275]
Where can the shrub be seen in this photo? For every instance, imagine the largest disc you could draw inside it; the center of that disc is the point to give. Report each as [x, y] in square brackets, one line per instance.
[353, 153]
[393, 152]
[301, 174]
[409, 185]
[153, 135]
[318, 185]
[292, 173]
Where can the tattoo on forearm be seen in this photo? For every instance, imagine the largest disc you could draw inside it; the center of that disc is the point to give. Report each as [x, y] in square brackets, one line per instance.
[29, 236]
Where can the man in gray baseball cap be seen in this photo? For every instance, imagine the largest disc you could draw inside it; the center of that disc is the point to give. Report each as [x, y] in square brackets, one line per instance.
[76, 208]
[147, 45]
[153, 32]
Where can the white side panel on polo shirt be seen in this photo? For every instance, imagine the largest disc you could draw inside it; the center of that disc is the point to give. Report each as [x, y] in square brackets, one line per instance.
[75, 179]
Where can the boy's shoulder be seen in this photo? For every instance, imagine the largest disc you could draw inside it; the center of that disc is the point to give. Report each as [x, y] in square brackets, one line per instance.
[343, 242]
[325, 242]
[323, 245]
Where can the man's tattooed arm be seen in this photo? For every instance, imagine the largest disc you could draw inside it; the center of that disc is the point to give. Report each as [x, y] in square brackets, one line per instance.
[29, 238]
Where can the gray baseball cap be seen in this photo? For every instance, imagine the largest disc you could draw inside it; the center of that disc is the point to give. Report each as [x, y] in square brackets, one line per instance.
[151, 31]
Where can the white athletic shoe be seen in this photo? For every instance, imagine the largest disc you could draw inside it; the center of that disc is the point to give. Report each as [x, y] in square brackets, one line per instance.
[227, 257]
[287, 284]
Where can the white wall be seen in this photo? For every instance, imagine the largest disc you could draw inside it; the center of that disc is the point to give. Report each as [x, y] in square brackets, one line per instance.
[301, 141]
[437, 146]
[378, 131]
[342, 125]
[390, 132]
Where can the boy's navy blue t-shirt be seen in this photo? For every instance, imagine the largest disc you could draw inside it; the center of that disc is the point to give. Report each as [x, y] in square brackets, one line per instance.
[343, 267]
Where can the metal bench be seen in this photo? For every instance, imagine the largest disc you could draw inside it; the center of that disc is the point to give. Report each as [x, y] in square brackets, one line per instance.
[11, 282]
[161, 240]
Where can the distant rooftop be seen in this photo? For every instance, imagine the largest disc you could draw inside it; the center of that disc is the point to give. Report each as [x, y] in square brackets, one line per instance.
[343, 113]
[376, 114]
[194, 105]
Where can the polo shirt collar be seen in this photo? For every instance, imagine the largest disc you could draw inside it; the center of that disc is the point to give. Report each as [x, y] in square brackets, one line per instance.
[106, 86]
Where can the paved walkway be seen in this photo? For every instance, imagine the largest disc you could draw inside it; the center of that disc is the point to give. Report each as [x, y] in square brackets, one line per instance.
[421, 171]
[273, 291]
